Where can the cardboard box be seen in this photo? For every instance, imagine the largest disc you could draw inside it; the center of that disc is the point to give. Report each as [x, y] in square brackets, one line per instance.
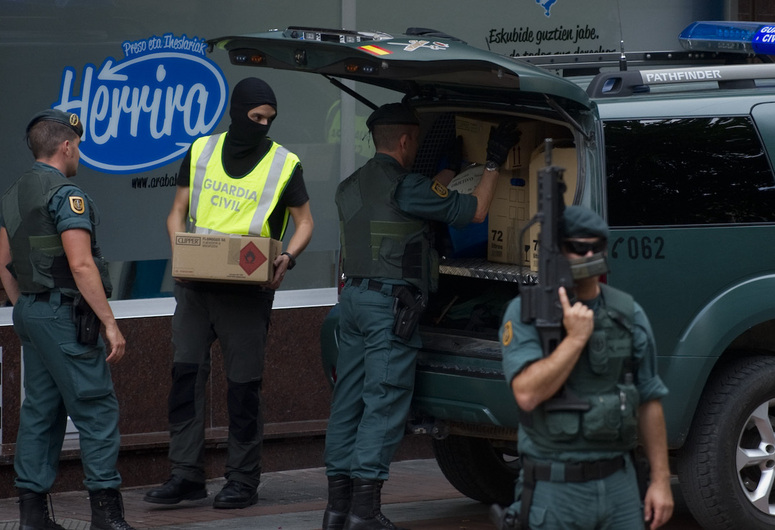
[515, 201]
[476, 133]
[564, 157]
[224, 258]
[509, 212]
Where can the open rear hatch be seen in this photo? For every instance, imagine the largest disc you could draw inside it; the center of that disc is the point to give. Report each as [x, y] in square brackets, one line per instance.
[458, 90]
[421, 64]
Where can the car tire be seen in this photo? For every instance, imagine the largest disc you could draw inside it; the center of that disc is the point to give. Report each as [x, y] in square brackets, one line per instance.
[727, 465]
[477, 468]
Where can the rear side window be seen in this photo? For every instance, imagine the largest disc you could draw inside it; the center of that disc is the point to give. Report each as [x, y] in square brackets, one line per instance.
[687, 171]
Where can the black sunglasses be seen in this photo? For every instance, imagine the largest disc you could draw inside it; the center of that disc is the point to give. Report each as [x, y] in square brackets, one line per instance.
[581, 248]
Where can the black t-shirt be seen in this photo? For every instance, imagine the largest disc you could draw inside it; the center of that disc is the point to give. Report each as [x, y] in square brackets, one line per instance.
[295, 193]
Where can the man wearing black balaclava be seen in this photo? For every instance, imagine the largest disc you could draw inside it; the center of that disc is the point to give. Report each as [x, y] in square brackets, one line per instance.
[246, 137]
[240, 182]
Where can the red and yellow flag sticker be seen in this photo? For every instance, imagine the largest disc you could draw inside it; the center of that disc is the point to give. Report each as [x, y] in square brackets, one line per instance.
[508, 334]
[77, 204]
[439, 189]
[375, 50]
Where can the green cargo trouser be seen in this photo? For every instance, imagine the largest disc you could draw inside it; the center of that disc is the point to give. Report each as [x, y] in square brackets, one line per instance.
[240, 322]
[375, 380]
[611, 503]
[63, 377]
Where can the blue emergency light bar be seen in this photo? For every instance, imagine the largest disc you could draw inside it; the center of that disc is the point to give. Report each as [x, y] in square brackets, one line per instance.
[741, 37]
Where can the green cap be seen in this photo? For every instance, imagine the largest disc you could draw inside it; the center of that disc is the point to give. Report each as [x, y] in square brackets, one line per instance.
[392, 114]
[583, 222]
[65, 118]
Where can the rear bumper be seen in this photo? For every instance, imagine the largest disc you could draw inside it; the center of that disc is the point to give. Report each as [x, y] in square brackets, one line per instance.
[459, 378]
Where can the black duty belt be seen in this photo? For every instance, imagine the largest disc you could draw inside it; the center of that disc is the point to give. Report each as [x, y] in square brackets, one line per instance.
[374, 285]
[46, 296]
[572, 472]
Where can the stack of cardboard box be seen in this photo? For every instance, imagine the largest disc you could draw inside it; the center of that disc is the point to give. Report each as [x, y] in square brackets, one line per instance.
[515, 202]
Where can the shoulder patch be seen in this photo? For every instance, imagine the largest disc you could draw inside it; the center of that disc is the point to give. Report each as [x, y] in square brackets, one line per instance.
[507, 333]
[439, 189]
[77, 204]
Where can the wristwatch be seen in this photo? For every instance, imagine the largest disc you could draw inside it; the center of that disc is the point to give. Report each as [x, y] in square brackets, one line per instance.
[292, 262]
[491, 166]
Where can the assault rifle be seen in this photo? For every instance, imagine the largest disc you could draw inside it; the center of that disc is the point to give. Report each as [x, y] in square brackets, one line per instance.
[541, 303]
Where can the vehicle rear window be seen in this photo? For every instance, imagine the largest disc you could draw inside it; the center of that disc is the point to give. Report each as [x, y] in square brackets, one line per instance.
[687, 171]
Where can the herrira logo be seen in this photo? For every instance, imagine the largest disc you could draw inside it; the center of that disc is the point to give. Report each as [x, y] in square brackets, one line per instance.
[144, 111]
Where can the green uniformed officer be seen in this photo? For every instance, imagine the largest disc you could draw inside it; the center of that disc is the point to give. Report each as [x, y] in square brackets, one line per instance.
[577, 470]
[385, 212]
[49, 263]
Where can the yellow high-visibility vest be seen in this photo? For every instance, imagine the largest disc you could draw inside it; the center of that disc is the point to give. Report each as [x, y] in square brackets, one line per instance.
[219, 204]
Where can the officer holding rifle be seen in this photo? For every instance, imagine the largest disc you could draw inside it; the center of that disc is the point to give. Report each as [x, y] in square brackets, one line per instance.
[587, 394]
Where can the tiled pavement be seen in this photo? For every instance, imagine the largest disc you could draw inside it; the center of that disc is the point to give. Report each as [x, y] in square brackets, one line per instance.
[288, 500]
[417, 496]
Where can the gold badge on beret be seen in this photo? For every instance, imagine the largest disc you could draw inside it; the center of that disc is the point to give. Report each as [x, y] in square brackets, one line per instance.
[439, 189]
[77, 204]
[74, 120]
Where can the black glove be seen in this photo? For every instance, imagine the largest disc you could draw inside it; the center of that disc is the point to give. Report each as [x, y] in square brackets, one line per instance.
[453, 158]
[502, 139]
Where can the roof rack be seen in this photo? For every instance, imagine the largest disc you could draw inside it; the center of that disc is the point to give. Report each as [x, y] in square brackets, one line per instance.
[626, 83]
[586, 64]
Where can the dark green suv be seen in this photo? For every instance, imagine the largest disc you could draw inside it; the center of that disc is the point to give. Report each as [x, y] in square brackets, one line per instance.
[678, 160]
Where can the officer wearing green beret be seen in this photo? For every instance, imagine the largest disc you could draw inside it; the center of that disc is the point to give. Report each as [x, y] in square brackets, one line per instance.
[385, 211]
[577, 472]
[54, 274]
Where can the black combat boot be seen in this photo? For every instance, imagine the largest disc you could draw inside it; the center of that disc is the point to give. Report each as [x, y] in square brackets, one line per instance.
[107, 510]
[503, 518]
[236, 494]
[340, 488]
[176, 489]
[33, 511]
[366, 508]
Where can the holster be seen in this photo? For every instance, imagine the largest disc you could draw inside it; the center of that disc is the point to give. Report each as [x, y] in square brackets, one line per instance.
[407, 310]
[87, 325]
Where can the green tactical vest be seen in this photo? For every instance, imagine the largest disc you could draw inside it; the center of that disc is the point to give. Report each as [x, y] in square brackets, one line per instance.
[378, 239]
[39, 260]
[603, 378]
